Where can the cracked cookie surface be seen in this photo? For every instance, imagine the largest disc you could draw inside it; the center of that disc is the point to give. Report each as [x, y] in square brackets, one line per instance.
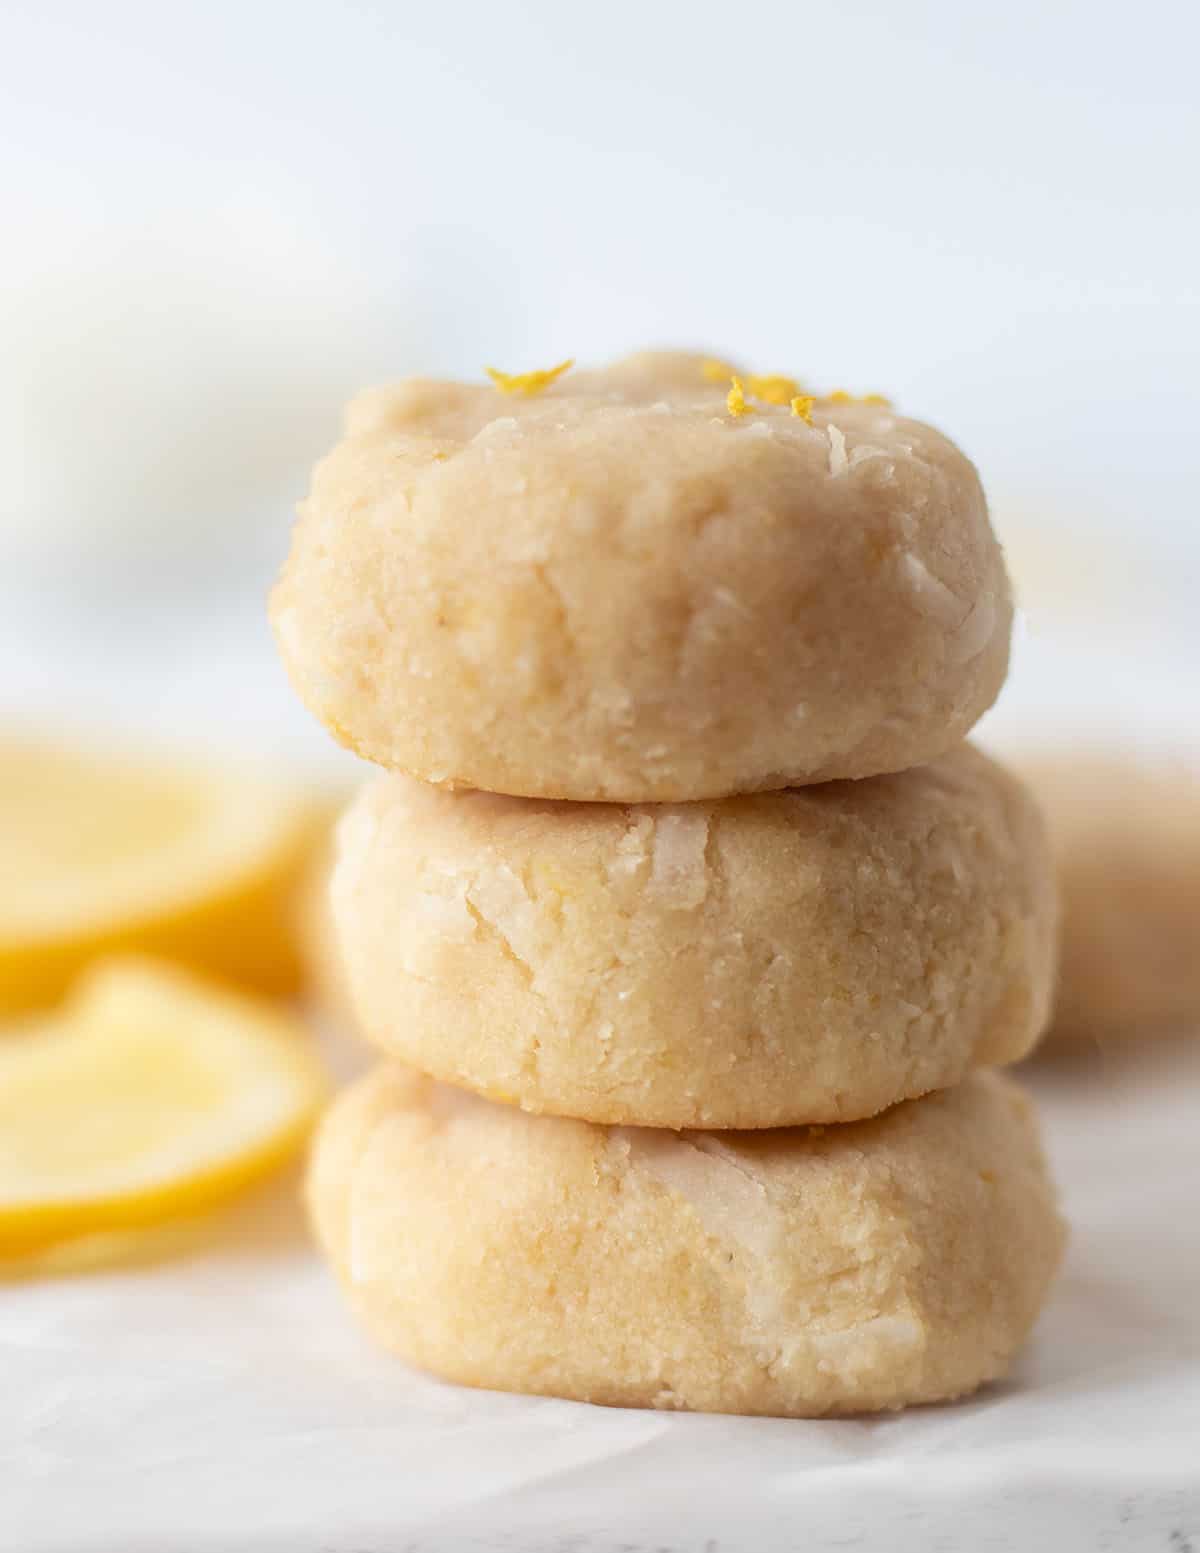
[616, 589]
[802, 1271]
[806, 956]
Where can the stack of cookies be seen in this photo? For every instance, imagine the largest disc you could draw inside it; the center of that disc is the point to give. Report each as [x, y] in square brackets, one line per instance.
[686, 921]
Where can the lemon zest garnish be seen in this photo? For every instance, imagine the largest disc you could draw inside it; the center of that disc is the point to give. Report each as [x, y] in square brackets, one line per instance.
[802, 406]
[840, 396]
[528, 383]
[735, 399]
[773, 389]
[714, 371]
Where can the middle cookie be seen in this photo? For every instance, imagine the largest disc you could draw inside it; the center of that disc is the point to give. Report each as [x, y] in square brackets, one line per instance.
[813, 955]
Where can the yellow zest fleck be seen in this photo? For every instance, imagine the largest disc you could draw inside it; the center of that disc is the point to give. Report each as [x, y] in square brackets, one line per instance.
[440, 458]
[840, 396]
[714, 371]
[802, 406]
[735, 400]
[773, 390]
[528, 383]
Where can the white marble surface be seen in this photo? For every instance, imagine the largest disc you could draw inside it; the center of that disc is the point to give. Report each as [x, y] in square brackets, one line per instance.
[224, 1401]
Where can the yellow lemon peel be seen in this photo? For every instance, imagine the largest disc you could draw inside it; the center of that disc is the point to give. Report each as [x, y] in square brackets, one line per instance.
[769, 387]
[774, 389]
[528, 383]
[802, 407]
[735, 399]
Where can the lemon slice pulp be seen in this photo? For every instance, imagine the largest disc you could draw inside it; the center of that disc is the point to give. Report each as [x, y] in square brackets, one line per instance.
[101, 856]
[148, 1097]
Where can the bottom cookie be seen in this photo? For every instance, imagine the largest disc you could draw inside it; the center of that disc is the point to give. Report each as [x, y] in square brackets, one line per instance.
[798, 1272]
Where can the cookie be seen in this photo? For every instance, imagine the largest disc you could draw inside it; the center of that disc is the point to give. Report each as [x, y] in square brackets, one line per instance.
[800, 1272]
[806, 956]
[1126, 838]
[619, 588]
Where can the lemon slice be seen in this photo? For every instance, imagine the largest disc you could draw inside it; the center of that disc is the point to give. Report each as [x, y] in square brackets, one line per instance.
[100, 856]
[148, 1097]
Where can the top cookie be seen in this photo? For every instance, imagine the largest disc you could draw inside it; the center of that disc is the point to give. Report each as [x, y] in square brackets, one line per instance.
[619, 588]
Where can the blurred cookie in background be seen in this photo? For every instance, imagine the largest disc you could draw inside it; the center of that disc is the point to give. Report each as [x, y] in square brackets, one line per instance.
[1126, 834]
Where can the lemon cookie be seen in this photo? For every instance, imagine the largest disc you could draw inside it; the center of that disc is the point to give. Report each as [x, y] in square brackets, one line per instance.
[805, 956]
[639, 584]
[802, 1272]
[1127, 841]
